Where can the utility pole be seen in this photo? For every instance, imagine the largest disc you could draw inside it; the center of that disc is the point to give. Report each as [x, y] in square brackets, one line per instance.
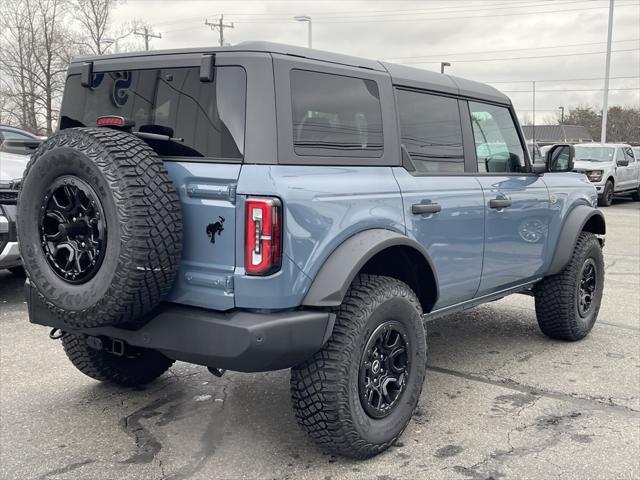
[305, 18]
[533, 127]
[147, 35]
[442, 65]
[220, 26]
[561, 115]
[605, 99]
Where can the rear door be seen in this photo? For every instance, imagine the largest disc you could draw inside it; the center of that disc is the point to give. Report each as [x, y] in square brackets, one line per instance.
[198, 128]
[516, 202]
[444, 208]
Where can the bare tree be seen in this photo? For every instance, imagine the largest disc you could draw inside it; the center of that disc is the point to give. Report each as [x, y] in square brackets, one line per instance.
[34, 44]
[93, 17]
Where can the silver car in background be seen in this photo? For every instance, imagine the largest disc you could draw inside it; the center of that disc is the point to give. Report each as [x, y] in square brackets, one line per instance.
[11, 169]
[611, 167]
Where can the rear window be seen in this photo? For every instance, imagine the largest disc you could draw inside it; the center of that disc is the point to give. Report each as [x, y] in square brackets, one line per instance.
[335, 115]
[431, 132]
[204, 119]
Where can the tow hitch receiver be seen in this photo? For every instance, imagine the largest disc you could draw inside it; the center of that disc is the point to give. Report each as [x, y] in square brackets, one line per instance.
[114, 346]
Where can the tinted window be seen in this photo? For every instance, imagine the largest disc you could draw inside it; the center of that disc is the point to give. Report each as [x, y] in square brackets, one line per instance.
[334, 115]
[431, 132]
[498, 145]
[204, 119]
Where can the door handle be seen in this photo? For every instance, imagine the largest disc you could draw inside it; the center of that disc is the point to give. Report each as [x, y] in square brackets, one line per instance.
[425, 208]
[499, 203]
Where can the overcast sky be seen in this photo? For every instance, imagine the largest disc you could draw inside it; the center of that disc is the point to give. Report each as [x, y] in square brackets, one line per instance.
[566, 37]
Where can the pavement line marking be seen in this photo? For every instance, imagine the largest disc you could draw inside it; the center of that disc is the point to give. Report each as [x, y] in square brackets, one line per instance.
[590, 403]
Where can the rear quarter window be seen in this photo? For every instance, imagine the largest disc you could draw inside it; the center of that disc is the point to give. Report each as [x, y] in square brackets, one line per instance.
[335, 115]
[205, 119]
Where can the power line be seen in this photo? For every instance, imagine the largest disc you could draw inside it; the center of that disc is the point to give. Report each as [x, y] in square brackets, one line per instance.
[417, 18]
[509, 50]
[568, 90]
[577, 54]
[398, 16]
[558, 80]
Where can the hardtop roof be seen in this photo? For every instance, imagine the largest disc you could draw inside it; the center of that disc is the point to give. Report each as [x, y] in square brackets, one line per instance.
[400, 74]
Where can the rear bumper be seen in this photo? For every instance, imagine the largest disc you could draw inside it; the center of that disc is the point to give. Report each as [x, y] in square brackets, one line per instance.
[238, 340]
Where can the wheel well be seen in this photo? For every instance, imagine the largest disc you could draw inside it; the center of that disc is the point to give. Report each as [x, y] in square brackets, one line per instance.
[409, 266]
[595, 224]
[611, 179]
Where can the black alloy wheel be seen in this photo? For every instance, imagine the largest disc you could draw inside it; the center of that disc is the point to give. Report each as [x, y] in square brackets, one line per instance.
[384, 369]
[73, 230]
[586, 287]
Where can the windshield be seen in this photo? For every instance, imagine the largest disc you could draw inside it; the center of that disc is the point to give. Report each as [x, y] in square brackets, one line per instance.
[594, 154]
[636, 152]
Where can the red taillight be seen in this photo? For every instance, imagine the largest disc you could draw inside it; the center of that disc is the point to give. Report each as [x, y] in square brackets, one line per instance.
[263, 235]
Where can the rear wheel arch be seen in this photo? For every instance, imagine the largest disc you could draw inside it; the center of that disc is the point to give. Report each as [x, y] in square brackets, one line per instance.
[379, 252]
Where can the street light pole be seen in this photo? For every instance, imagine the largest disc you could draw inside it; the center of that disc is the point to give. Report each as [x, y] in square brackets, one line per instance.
[442, 65]
[605, 99]
[305, 18]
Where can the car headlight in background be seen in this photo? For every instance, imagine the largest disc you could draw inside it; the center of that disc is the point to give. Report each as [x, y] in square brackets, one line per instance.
[594, 175]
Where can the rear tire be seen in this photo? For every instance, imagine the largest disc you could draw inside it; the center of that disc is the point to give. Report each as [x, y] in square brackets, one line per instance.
[562, 299]
[606, 198]
[337, 395]
[128, 371]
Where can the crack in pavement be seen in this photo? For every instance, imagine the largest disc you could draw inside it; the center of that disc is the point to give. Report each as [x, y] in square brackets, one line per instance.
[488, 468]
[588, 401]
[146, 445]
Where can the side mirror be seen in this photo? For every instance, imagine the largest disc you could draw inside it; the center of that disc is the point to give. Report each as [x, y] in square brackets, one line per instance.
[623, 162]
[559, 158]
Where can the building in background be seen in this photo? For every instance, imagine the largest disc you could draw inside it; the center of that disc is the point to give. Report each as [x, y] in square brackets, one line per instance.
[549, 134]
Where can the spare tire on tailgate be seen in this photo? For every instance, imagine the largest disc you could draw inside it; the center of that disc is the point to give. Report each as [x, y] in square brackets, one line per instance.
[99, 227]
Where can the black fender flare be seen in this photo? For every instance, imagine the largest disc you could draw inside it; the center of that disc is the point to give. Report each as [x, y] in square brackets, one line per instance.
[580, 217]
[338, 271]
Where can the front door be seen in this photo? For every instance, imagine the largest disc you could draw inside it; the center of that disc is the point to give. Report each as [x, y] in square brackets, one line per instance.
[626, 174]
[516, 202]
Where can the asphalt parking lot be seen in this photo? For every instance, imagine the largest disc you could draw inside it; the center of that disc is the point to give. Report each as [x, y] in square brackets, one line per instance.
[500, 401]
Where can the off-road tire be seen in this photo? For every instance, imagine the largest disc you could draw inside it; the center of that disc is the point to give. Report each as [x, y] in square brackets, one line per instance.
[606, 198]
[127, 371]
[143, 224]
[556, 297]
[324, 389]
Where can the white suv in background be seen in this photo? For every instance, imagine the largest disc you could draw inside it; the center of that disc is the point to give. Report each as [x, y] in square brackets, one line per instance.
[611, 167]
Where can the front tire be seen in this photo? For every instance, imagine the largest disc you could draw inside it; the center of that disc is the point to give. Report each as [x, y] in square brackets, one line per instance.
[607, 195]
[567, 304]
[140, 367]
[356, 396]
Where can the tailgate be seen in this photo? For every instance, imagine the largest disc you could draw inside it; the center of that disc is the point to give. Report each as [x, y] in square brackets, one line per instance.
[207, 196]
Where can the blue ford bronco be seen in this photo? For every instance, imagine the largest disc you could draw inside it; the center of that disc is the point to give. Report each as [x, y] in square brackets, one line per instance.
[262, 206]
